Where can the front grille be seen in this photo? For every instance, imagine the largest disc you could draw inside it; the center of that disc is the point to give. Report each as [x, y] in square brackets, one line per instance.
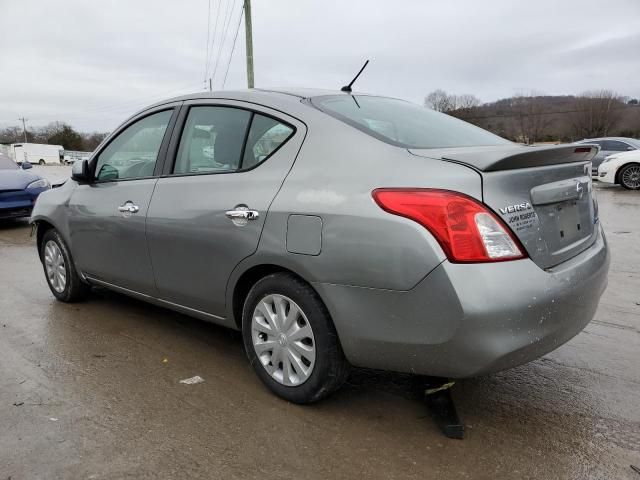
[15, 212]
[13, 195]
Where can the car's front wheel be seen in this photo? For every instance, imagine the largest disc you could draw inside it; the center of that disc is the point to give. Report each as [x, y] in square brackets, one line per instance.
[291, 341]
[630, 176]
[62, 278]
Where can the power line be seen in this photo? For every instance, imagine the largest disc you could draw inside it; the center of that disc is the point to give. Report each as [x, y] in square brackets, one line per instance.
[223, 38]
[213, 39]
[206, 56]
[233, 47]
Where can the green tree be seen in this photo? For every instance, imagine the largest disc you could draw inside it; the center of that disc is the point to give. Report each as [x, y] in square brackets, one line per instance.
[63, 134]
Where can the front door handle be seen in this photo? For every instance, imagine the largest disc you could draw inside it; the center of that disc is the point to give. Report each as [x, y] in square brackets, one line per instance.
[242, 214]
[128, 208]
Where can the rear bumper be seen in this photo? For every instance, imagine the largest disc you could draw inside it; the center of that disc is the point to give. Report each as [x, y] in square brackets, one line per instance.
[467, 320]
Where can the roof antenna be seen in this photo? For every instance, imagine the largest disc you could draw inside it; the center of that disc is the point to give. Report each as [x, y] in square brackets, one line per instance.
[347, 88]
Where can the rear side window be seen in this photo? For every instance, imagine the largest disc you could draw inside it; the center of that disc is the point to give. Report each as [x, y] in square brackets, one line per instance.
[212, 140]
[226, 139]
[265, 137]
[404, 124]
[615, 146]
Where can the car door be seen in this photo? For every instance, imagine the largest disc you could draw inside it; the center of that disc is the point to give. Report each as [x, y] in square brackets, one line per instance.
[107, 215]
[207, 212]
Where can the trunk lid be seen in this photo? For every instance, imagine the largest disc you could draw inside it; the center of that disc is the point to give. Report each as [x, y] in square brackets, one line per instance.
[544, 194]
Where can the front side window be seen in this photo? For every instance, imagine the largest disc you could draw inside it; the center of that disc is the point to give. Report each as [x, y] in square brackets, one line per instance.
[404, 124]
[134, 152]
[212, 140]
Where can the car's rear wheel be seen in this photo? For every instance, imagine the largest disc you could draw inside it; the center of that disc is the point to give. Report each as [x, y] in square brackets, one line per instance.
[41, 162]
[62, 277]
[291, 341]
[630, 176]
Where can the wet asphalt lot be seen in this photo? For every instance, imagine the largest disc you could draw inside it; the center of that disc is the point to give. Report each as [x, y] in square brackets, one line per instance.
[92, 391]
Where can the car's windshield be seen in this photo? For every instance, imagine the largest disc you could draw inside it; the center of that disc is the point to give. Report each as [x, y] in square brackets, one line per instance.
[6, 163]
[404, 124]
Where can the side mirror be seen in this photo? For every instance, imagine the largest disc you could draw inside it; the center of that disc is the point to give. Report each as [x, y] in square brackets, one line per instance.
[80, 171]
[26, 165]
[630, 148]
[107, 172]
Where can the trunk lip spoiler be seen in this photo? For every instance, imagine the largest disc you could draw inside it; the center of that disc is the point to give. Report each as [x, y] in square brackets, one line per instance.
[496, 158]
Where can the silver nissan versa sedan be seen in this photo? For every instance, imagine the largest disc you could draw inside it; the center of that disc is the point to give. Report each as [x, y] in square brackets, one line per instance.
[335, 229]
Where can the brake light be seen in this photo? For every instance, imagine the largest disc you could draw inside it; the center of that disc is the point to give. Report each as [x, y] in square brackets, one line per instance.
[467, 230]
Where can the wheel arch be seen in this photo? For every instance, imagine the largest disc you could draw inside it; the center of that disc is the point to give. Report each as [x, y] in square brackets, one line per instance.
[622, 167]
[239, 289]
[42, 226]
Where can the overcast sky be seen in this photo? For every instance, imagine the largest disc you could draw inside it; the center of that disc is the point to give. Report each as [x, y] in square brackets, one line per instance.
[93, 63]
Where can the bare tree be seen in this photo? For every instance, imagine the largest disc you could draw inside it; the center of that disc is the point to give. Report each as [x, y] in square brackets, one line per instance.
[11, 135]
[464, 105]
[531, 117]
[596, 113]
[467, 101]
[440, 101]
[91, 140]
[459, 106]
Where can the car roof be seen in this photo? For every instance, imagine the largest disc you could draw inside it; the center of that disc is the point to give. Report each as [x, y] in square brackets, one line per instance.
[273, 97]
[622, 139]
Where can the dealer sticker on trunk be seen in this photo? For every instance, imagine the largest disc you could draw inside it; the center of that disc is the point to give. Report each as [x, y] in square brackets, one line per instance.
[520, 216]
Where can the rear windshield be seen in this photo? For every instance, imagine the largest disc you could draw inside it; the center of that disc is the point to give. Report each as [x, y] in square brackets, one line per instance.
[404, 124]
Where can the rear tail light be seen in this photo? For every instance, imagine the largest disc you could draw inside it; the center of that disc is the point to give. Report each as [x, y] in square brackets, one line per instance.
[467, 231]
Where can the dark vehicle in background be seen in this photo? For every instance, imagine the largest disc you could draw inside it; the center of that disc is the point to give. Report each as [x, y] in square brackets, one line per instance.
[609, 146]
[19, 188]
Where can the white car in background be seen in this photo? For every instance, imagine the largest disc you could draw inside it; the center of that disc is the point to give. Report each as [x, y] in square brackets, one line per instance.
[621, 168]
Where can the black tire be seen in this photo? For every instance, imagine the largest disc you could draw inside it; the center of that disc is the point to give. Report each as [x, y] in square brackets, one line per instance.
[330, 369]
[41, 162]
[621, 177]
[75, 289]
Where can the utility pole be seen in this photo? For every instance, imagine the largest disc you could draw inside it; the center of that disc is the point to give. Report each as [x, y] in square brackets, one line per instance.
[24, 128]
[249, 41]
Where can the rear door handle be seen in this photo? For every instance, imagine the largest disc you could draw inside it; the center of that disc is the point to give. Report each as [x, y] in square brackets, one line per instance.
[128, 208]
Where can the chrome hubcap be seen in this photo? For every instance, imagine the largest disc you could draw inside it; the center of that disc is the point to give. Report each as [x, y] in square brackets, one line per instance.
[55, 267]
[283, 340]
[631, 177]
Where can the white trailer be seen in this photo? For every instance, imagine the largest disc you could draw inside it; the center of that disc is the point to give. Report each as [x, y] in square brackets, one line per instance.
[38, 153]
